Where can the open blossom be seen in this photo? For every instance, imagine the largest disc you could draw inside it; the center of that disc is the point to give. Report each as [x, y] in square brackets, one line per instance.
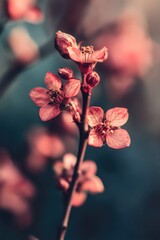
[87, 181]
[106, 128]
[52, 100]
[85, 57]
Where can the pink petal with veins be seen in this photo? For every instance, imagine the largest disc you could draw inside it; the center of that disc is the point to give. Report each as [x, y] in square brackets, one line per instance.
[52, 81]
[95, 116]
[39, 96]
[93, 185]
[118, 139]
[71, 88]
[94, 139]
[117, 116]
[100, 55]
[48, 112]
[75, 54]
[78, 198]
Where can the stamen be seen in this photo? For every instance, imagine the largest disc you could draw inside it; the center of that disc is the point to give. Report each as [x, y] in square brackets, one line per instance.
[56, 97]
[87, 51]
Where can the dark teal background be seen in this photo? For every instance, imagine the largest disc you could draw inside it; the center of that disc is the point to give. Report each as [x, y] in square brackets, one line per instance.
[129, 209]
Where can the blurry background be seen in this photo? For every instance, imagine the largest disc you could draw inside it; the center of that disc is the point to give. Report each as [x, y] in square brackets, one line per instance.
[30, 204]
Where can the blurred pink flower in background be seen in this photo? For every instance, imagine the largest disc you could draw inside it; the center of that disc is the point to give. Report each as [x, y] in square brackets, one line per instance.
[42, 145]
[129, 45]
[16, 192]
[24, 10]
[130, 51]
[23, 46]
[88, 182]
[106, 128]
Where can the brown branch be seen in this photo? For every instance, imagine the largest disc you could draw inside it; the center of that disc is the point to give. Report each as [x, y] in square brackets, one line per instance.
[83, 128]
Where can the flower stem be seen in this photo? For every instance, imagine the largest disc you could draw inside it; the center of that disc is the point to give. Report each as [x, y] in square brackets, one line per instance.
[83, 129]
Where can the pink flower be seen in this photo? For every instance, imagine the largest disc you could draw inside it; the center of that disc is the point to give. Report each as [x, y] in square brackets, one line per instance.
[26, 9]
[87, 182]
[52, 100]
[107, 127]
[85, 57]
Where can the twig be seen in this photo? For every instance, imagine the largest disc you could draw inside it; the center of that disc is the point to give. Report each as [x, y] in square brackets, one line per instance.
[80, 157]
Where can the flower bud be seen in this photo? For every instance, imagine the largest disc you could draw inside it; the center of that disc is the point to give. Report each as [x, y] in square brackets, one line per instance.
[93, 79]
[65, 73]
[63, 41]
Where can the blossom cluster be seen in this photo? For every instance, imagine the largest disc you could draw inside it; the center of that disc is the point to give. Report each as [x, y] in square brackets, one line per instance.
[62, 94]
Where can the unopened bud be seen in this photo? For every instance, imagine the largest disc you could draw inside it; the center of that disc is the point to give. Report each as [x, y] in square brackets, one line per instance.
[93, 79]
[65, 73]
[63, 41]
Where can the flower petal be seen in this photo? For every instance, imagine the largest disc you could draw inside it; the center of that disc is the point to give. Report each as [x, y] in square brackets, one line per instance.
[71, 88]
[118, 139]
[63, 41]
[52, 81]
[93, 185]
[48, 112]
[117, 116]
[100, 55]
[95, 116]
[75, 54]
[89, 168]
[94, 139]
[78, 198]
[39, 96]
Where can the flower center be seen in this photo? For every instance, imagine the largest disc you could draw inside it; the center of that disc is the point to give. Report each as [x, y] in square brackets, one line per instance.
[101, 130]
[87, 52]
[56, 97]
[104, 128]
